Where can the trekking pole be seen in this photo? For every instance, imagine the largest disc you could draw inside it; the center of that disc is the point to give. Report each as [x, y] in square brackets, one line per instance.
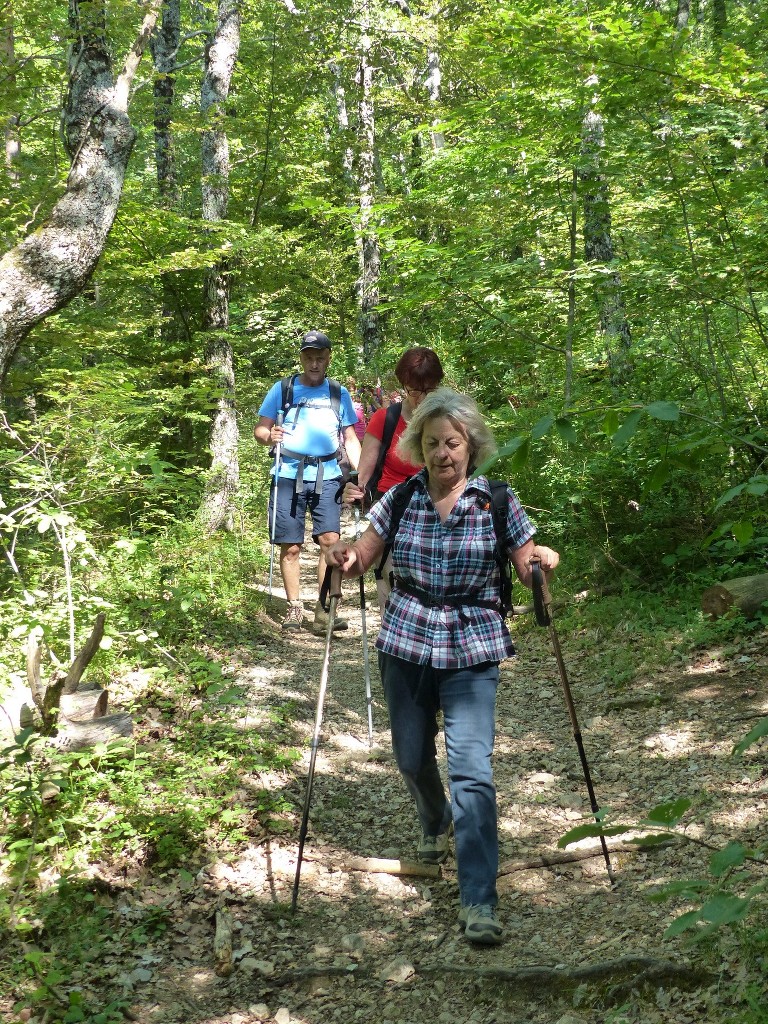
[278, 446]
[542, 607]
[332, 584]
[366, 658]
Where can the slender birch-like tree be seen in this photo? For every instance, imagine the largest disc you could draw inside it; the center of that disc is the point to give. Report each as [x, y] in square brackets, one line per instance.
[217, 507]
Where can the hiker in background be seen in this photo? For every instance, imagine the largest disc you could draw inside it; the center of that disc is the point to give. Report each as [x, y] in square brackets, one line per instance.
[357, 405]
[307, 414]
[442, 637]
[381, 467]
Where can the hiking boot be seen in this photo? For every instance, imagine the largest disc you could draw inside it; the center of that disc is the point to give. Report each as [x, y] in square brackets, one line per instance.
[433, 849]
[481, 924]
[320, 624]
[293, 616]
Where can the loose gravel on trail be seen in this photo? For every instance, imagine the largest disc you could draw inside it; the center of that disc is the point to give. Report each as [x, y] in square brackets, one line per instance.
[387, 949]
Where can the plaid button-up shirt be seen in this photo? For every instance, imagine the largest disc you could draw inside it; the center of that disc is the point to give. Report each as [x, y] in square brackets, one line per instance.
[447, 560]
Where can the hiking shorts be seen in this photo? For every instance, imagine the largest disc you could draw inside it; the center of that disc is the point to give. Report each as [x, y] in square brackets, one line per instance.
[292, 511]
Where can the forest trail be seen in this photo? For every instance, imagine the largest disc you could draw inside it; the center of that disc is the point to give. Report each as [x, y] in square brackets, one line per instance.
[385, 949]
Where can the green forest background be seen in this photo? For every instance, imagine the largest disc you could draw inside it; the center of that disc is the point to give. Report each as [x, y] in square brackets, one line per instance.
[566, 201]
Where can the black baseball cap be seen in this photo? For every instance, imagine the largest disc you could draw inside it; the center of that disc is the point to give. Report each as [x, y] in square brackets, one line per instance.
[315, 339]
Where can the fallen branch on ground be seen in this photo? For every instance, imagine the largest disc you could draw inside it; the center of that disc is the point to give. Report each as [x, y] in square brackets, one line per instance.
[548, 860]
[379, 865]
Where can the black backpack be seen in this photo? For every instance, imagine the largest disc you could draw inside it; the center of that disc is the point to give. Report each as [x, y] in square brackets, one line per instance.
[286, 395]
[402, 495]
[390, 425]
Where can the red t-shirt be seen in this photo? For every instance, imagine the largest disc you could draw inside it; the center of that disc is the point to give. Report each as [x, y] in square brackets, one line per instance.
[394, 470]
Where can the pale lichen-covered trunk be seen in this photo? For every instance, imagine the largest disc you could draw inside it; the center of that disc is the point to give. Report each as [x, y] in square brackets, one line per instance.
[598, 250]
[217, 506]
[434, 76]
[342, 117]
[369, 252]
[8, 61]
[51, 266]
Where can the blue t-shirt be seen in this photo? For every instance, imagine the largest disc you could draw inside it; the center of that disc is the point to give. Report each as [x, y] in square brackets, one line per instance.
[311, 427]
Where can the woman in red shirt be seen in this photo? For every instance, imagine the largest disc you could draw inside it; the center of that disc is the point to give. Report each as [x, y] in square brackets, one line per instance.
[419, 371]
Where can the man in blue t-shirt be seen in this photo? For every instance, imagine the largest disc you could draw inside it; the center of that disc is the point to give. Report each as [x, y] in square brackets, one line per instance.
[309, 472]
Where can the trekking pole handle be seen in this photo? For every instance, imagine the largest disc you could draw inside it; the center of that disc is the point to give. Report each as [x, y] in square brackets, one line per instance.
[331, 586]
[354, 477]
[541, 596]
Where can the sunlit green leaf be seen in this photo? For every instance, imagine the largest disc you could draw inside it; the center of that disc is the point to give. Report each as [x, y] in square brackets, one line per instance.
[669, 411]
[730, 856]
[565, 429]
[628, 428]
[540, 428]
[755, 734]
[669, 813]
[682, 923]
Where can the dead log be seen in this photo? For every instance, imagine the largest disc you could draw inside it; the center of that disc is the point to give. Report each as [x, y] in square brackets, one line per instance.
[384, 866]
[745, 594]
[83, 705]
[557, 857]
[83, 735]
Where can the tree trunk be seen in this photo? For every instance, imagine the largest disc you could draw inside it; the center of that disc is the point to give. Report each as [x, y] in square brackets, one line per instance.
[165, 47]
[683, 14]
[8, 54]
[52, 265]
[434, 77]
[217, 507]
[598, 249]
[342, 117]
[175, 329]
[719, 19]
[746, 594]
[369, 253]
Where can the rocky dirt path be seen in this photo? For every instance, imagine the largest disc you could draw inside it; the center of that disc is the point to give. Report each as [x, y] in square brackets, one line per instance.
[386, 949]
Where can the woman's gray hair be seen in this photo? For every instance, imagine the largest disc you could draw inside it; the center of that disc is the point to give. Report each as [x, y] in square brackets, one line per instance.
[463, 413]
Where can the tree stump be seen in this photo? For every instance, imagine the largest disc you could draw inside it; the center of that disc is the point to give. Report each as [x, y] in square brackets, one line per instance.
[73, 736]
[73, 713]
[745, 594]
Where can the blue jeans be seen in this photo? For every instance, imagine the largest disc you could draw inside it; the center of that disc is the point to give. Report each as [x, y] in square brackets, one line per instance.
[467, 698]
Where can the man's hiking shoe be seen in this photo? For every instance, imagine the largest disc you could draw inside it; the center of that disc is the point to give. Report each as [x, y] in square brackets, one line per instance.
[320, 624]
[481, 924]
[293, 616]
[433, 849]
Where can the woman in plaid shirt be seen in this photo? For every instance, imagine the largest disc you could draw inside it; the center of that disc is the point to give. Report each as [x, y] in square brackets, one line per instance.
[442, 638]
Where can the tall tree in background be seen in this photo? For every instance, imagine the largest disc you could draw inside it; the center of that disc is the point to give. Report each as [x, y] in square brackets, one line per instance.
[164, 46]
[369, 250]
[52, 265]
[598, 246]
[217, 508]
[8, 54]
[434, 76]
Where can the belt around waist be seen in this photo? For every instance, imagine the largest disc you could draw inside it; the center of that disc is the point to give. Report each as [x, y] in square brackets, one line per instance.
[446, 601]
[308, 460]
